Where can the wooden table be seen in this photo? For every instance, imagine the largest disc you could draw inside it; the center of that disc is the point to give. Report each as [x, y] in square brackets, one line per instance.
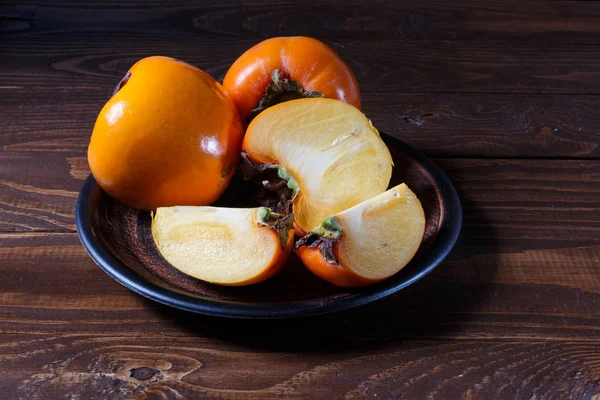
[504, 95]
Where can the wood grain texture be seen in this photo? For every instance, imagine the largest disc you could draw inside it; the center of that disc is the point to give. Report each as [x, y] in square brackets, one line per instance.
[84, 59]
[573, 21]
[446, 125]
[154, 367]
[541, 192]
[39, 193]
[531, 234]
[525, 266]
[503, 93]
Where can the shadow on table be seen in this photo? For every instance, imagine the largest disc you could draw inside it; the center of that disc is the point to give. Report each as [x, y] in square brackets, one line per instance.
[441, 305]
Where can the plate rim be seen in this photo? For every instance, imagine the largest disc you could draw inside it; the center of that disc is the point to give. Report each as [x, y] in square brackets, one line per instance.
[443, 243]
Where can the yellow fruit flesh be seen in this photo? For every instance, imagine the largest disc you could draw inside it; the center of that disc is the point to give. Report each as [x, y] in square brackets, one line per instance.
[330, 149]
[220, 245]
[381, 235]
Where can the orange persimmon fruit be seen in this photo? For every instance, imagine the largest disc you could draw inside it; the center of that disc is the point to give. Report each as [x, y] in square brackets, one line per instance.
[169, 135]
[368, 242]
[285, 68]
[225, 246]
[320, 155]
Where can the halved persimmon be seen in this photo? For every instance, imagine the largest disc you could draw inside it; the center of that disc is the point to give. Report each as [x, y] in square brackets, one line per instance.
[368, 242]
[225, 246]
[321, 155]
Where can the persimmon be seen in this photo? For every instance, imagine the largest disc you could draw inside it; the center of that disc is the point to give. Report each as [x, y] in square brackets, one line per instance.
[225, 246]
[368, 242]
[169, 135]
[315, 156]
[285, 68]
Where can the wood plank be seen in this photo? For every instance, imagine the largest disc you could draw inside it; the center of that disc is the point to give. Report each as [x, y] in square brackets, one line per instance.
[359, 19]
[531, 234]
[441, 125]
[83, 59]
[152, 366]
[514, 312]
[542, 191]
[500, 281]
[39, 193]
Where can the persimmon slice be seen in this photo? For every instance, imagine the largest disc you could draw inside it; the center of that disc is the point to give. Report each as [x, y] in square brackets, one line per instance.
[368, 242]
[327, 151]
[226, 246]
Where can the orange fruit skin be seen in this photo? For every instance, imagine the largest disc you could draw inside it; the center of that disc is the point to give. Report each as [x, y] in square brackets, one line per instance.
[277, 263]
[170, 136]
[310, 62]
[339, 275]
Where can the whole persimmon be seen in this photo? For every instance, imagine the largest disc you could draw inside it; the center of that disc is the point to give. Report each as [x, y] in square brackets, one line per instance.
[169, 135]
[286, 68]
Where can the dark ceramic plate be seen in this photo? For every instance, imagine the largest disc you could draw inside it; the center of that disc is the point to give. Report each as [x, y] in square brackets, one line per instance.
[119, 239]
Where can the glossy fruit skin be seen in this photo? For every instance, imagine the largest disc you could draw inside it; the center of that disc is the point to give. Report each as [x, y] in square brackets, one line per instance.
[339, 275]
[311, 63]
[169, 136]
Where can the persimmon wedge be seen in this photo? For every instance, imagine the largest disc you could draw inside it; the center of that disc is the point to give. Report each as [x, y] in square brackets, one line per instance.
[320, 155]
[225, 246]
[368, 242]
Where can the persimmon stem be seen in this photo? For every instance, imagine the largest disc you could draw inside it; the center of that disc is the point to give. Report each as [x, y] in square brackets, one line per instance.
[279, 189]
[324, 236]
[278, 222]
[274, 186]
[122, 82]
[279, 90]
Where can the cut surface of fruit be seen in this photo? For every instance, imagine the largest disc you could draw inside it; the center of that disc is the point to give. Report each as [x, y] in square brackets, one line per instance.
[328, 147]
[227, 246]
[382, 234]
[368, 242]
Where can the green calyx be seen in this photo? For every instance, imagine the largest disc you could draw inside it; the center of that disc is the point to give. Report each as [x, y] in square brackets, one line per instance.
[291, 184]
[324, 236]
[282, 224]
[330, 229]
[280, 89]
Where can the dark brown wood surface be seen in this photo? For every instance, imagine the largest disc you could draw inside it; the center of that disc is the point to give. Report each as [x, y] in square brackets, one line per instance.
[504, 95]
